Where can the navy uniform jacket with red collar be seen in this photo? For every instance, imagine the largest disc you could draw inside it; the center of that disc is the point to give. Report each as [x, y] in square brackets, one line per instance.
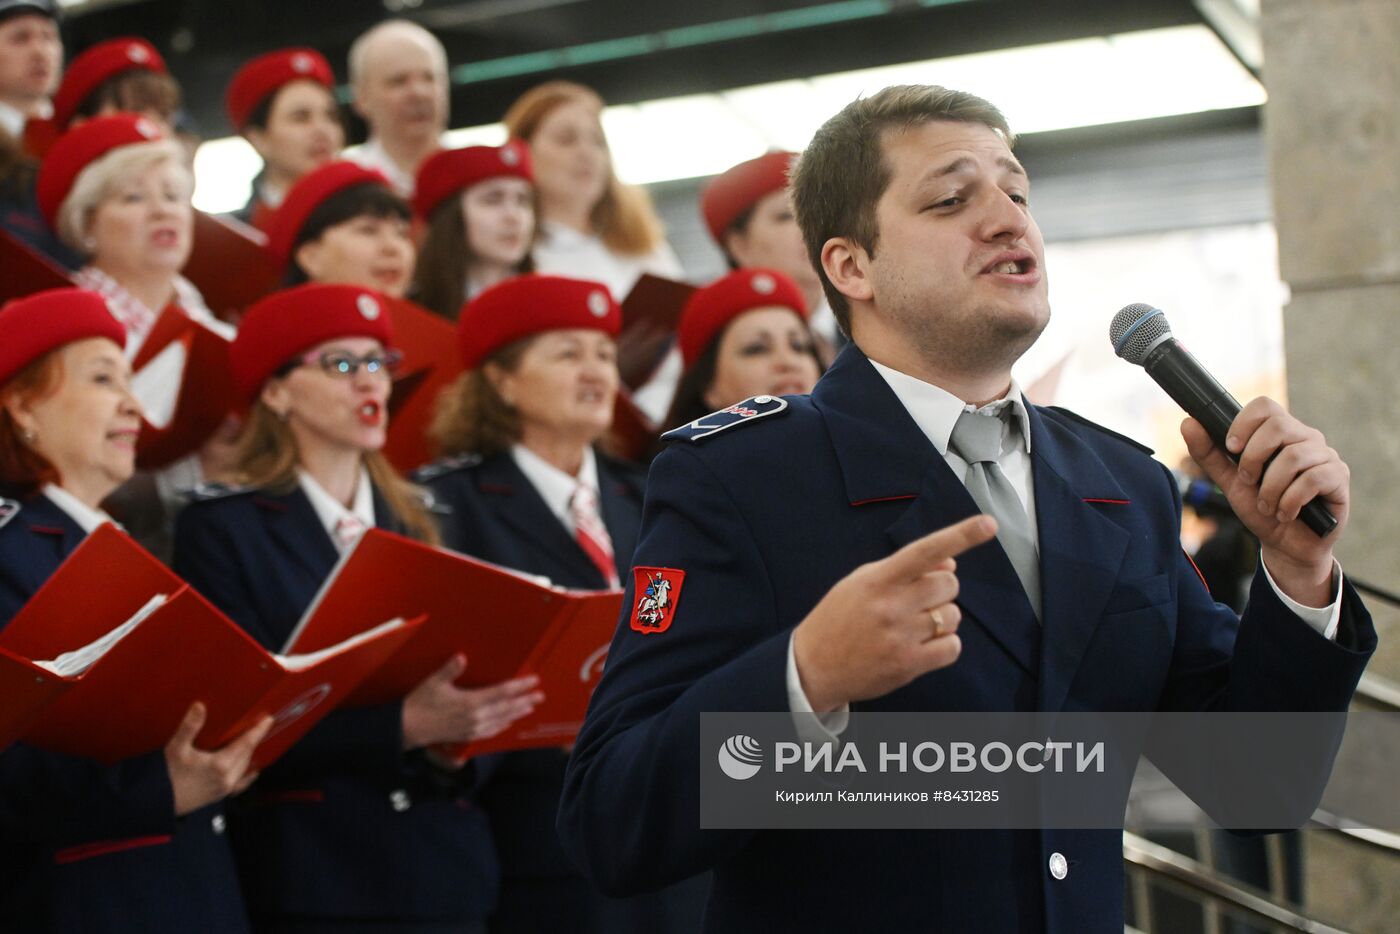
[96, 848]
[346, 825]
[490, 510]
[765, 516]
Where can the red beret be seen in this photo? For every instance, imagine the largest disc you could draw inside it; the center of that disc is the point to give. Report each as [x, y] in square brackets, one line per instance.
[731, 194]
[449, 171]
[36, 324]
[96, 65]
[82, 146]
[286, 323]
[264, 75]
[529, 305]
[710, 309]
[306, 195]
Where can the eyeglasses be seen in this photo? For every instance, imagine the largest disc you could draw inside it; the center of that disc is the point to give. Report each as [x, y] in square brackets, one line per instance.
[339, 363]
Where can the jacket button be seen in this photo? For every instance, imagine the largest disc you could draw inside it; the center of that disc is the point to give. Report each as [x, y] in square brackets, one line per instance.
[218, 823]
[1059, 867]
[399, 800]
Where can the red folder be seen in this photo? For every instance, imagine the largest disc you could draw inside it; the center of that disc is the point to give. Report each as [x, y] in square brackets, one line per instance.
[25, 689]
[131, 700]
[431, 362]
[229, 264]
[199, 396]
[24, 272]
[650, 314]
[507, 625]
[632, 433]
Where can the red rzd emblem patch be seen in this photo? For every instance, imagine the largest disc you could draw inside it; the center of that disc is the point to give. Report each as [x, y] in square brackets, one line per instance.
[657, 592]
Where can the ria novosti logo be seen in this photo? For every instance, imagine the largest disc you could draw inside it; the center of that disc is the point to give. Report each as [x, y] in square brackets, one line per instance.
[740, 757]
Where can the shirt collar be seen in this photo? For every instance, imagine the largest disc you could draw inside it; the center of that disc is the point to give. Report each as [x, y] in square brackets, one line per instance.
[555, 486]
[330, 510]
[936, 410]
[80, 512]
[12, 121]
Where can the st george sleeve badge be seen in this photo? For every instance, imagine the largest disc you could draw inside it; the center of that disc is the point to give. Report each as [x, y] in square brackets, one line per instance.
[656, 592]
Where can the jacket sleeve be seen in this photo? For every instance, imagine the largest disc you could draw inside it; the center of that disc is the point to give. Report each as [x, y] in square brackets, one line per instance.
[629, 814]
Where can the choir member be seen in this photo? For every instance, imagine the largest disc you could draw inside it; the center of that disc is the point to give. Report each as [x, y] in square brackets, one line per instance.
[124, 75]
[748, 212]
[343, 224]
[527, 488]
[398, 83]
[138, 845]
[357, 827]
[478, 205]
[117, 191]
[742, 336]
[283, 104]
[31, 62]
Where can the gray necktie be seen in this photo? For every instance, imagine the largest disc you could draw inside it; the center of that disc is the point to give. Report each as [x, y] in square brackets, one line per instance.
[977, 439]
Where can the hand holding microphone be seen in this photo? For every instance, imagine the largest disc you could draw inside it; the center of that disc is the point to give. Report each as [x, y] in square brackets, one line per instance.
[1274, 469]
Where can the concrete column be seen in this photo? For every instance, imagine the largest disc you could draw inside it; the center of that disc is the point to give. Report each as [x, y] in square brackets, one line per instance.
[1332, 125]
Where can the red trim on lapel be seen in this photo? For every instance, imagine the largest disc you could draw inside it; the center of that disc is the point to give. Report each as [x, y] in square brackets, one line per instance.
[884, 499]
[74, 854]
[48, 530]
[309, 796]
[1198, 571]
[1111, 502]
[271, 504]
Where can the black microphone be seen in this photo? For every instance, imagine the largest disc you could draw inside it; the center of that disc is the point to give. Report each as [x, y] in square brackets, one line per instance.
[1141, 335]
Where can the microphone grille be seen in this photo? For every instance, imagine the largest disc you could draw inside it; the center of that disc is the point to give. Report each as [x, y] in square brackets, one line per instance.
[1136, 329]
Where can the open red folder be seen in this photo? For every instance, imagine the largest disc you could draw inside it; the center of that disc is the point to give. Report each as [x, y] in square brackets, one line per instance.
[130, 699]
[506, 623]
[184, 380]
[230, 265]
[25, 689]
[431, 362]
[650, 314]
[632, 434]
[24, 272]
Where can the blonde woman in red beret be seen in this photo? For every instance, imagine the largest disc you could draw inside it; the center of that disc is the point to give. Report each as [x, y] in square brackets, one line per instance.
[124, 75]
[116, 190]
[356, 828]
[525, 487]
[748, 212]
[742, 336]
[479, 207]
[342, 224]
[138, 845]
[283, 104]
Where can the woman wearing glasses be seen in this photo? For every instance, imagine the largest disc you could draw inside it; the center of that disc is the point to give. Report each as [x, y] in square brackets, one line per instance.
[357, 828]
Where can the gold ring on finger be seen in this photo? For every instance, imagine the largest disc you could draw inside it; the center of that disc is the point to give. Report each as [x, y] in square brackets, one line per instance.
[936, 617]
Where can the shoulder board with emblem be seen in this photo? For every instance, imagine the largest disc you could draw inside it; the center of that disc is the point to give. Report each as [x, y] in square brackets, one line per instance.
[444, 466]
[9, 508]
[741, 413]
[215, 491]
[1097, 427]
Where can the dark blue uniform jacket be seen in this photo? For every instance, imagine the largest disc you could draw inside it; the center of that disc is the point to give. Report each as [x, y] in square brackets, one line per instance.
[765, 517]
[346, 825]
[96, 848]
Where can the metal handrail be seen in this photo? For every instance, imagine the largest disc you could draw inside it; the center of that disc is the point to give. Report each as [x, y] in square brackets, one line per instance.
[1374, 837]
[1188, 873]
[1379, 691]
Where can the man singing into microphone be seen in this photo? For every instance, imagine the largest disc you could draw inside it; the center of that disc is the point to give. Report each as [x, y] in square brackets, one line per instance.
[826, 554]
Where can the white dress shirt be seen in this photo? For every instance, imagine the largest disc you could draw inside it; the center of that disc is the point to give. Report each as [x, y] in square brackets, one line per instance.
[331, 510]
[563, 251]
[77, 510]
[936, 411]
[555, 486]
[372, 155]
